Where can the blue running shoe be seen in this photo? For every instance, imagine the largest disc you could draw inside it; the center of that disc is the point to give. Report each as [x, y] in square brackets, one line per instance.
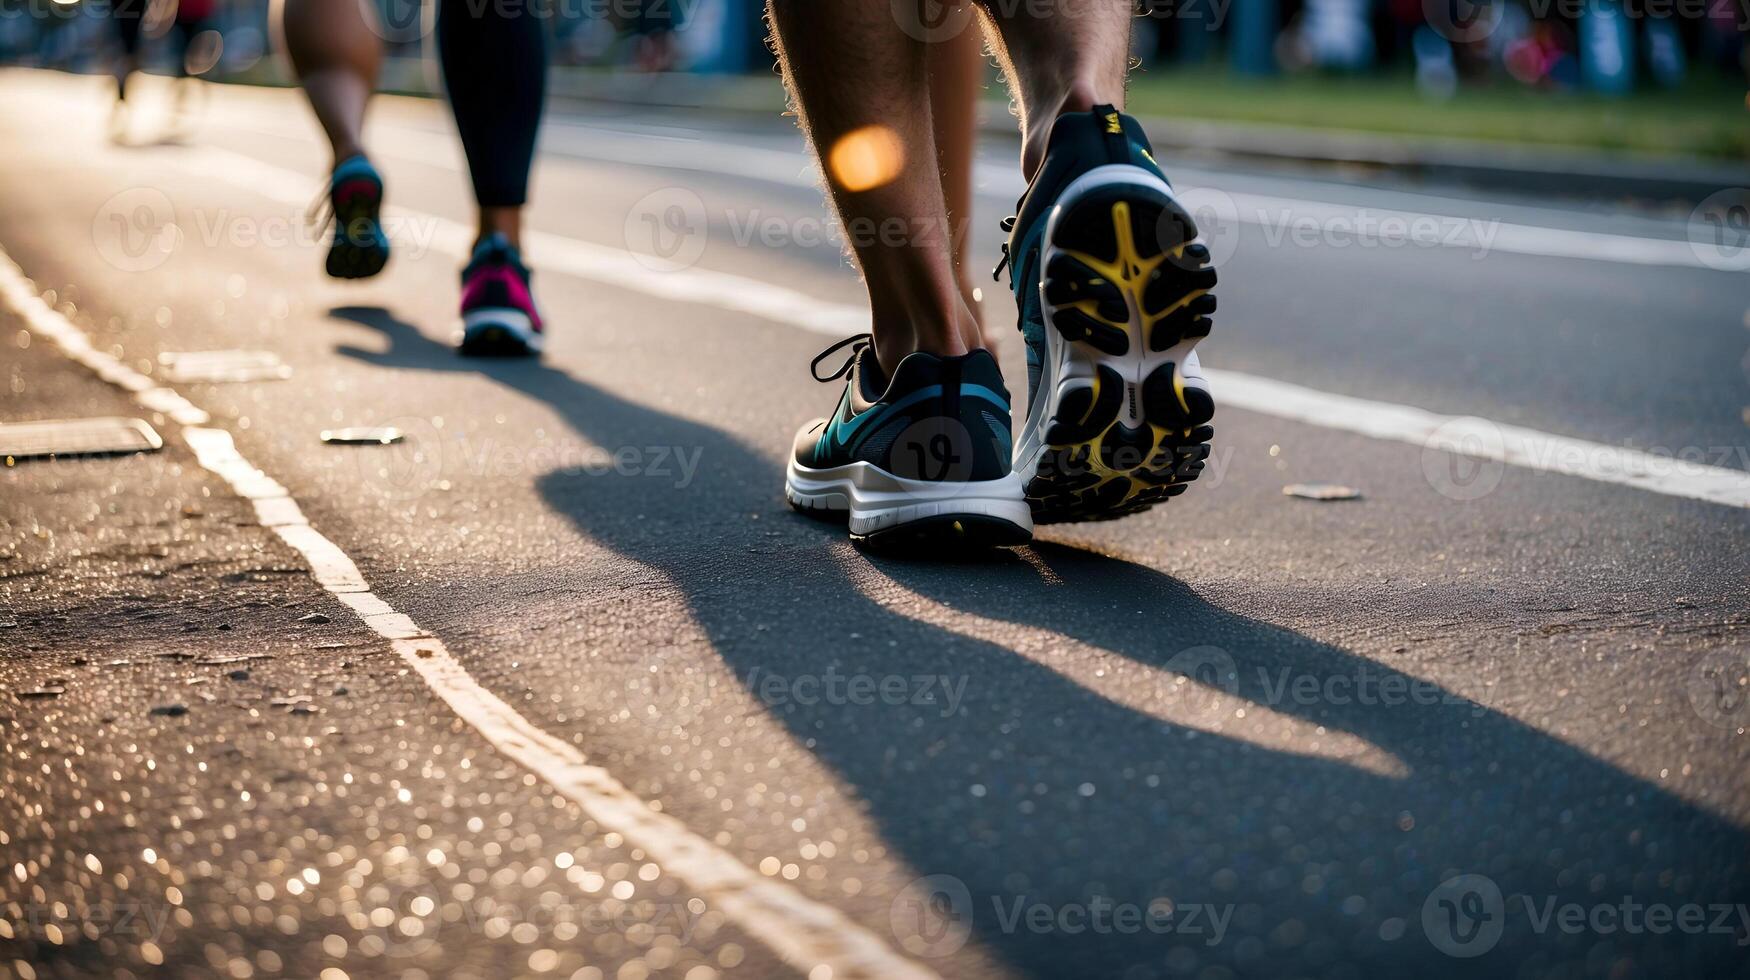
[921, 459]
[1113, 297]
[360, 248]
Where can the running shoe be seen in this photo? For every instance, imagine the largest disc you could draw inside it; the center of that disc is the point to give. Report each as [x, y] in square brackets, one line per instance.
[1113, 297]
[360, 247]
[922, 458]
[498, 311]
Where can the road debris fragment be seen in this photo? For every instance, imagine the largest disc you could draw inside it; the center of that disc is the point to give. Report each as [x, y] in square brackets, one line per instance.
[1321, 491]
[386, 435]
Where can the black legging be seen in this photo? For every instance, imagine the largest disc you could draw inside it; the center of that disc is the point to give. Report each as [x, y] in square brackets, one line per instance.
[494, 58]
[129, 16]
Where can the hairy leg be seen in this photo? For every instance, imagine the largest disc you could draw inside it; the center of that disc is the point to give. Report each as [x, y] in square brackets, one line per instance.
[860, 83]
[1069, 57]
[956, 68]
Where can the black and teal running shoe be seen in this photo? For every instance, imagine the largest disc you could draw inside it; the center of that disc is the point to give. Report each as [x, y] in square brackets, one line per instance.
[360, 248]
[1113, 296]
[921, 459]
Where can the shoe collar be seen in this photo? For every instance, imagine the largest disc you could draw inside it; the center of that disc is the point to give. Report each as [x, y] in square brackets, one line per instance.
[868, 383]
[495, 249]
[1079, 141]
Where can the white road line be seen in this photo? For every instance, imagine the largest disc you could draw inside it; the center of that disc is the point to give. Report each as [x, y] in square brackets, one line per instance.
[1483, 439]
[814, 938]
[1284, 220]
[1474, 437]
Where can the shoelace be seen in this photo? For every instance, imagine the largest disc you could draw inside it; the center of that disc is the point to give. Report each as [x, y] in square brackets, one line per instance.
[856, 342]
[1008, 225]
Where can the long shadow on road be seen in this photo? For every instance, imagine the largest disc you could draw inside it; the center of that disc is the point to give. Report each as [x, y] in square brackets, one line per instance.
[1039, 792]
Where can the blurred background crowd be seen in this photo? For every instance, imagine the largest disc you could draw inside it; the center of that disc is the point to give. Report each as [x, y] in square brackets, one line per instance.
[1656, 75]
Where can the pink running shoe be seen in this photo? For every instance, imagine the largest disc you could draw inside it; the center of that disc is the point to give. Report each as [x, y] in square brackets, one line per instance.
[498, 311]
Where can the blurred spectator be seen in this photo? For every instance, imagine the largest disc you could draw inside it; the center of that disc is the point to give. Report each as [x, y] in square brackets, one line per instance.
[1610, 46]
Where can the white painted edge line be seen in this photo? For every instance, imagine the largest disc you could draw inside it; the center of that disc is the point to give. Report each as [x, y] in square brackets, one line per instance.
[1467, 436]
[805, 934]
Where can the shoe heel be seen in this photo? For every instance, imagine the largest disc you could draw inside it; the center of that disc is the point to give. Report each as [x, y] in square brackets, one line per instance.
[360, 249]
[1129, 292]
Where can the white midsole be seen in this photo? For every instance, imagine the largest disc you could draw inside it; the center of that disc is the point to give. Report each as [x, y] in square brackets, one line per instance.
[505, 318]
[1070, 365]
[878, 500]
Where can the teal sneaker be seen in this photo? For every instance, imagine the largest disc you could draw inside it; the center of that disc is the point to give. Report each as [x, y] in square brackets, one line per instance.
[1113, 297]
[922, 458]
[360, 248]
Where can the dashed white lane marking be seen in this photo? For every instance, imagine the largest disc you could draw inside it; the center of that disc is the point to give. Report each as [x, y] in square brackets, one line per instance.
[1467, 436]
[1483, 439]
[814, 938]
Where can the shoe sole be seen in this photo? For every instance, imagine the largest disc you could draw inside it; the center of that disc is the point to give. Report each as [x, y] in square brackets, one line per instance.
[498, 332]
[1123, 413]
[887, 510]
[360, 249]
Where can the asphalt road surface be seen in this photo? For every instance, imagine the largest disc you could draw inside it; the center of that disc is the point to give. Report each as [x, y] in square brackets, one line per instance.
[558, 686]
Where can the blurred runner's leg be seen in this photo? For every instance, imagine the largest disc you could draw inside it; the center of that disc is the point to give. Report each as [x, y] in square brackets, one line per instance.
[495, 69]
[336, 49]
[129, 17]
